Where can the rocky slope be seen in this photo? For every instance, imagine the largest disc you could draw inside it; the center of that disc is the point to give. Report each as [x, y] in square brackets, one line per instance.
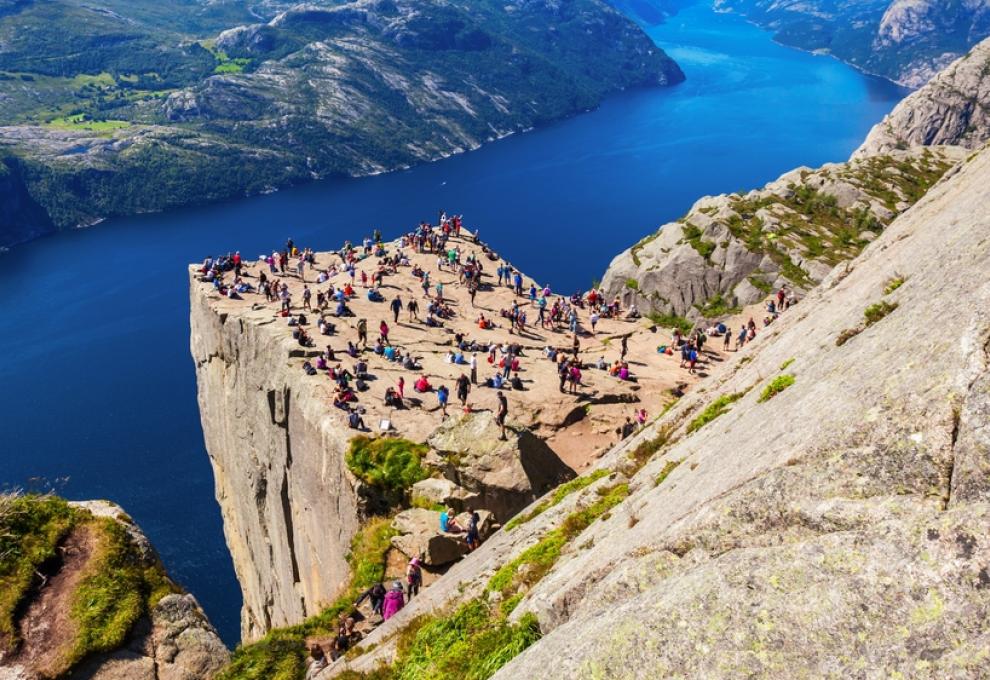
[204, 100]
[99, 606]
[953, 108]
[761, 534]
[907, 41]
[731, 250]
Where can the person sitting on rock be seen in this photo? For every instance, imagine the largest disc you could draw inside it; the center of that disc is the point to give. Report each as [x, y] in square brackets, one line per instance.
[392, 398]
[394, 601]
[448, 523]
[355, 420]
[422, 385]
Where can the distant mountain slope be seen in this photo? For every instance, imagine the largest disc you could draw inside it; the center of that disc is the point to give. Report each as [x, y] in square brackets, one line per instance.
[953, 108]
[907, 41]
[134, 106]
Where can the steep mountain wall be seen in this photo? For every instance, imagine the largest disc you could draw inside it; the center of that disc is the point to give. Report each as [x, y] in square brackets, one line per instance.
[288, 503]
[828, 524]
[953, 108]
[907, 41]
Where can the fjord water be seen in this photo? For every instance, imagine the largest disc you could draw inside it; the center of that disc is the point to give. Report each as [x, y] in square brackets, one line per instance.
[99, 395]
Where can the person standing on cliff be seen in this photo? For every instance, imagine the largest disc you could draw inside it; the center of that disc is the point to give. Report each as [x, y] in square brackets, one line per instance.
[396, 306]
[463, 387]
[414, 578]
[383, 331]
[502, 413]
[474, 368]
[394, 601]
[362, 329]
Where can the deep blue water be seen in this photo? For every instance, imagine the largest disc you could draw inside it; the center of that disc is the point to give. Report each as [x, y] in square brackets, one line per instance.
[98, 386]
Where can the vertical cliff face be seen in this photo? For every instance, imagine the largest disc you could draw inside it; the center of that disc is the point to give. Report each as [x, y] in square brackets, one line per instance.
[288, 504]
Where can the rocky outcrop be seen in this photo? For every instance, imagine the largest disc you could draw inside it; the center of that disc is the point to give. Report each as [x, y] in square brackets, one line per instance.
[420, 536]
[768, 536]
[953, 108]
[501, 476]
[732, 250]
[173, 640]
[907, 41]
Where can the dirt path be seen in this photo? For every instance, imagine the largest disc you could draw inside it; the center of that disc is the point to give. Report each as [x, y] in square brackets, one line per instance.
[46, 629]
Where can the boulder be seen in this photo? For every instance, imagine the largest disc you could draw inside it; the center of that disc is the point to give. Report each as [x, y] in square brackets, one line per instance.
[420, 536]
[506, 475]
[441, 491]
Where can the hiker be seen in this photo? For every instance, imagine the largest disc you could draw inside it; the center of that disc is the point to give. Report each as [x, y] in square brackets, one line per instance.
[396, 306]
[376, 595]
[625, 347]
[502, 413]
[627, 428]
[474, 368]
[463, 388]
[448, 524]
[317, 662]
[394, 601]
[414, 577]
[362, 330]
[473, 537]
[383, 331]
[727, 340]
[443, 394]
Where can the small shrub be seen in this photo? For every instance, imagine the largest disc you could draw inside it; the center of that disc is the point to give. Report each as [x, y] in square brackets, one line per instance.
[671, 321]
[876, 312]
[668, 467]
[847, 335]
[715, 409]
[632, 284]
[392, 465]
[893, 284]
[776, 386]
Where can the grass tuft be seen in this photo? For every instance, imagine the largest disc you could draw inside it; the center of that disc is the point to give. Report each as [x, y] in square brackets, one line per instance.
[715, 409]
[776, 386]
[877, 312]
[558, 495]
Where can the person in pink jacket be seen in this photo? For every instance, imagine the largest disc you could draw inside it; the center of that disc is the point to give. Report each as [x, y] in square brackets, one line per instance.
[394, 601]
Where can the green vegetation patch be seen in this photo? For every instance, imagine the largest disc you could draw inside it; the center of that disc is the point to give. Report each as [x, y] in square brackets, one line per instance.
[281, 655]
[558, 495]
[117, 590]
[775, 387]
[632, 284]
[472, 643]
[536, 561]
[390, 464]
[31, 529]
[715, 409]
[693, 236]
[668, 467]
[717, 306]
[81, 121]
[877, 312]
[671, 321]
[787, 363]
[648, 448]
[893, 284]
